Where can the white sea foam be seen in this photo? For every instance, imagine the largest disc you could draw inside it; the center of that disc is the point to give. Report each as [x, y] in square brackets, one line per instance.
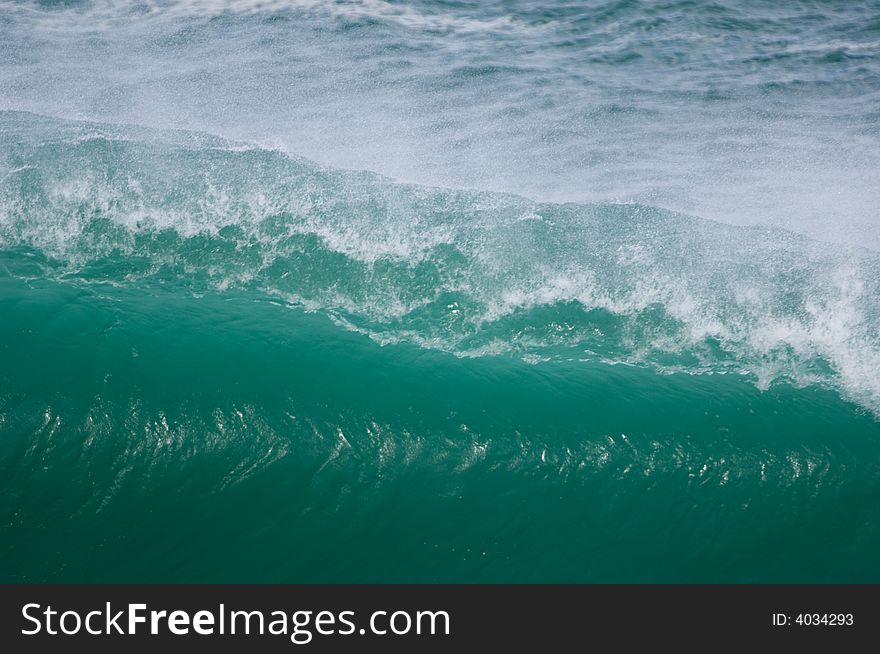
[104, 14]
[475, 274]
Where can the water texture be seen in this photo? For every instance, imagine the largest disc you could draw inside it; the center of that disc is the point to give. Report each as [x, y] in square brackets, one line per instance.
[439, 291]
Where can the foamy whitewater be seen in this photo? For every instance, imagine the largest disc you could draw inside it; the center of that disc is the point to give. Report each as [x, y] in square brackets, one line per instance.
[495, 291]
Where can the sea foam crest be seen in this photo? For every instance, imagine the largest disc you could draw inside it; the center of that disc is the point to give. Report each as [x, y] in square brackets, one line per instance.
[469, 272]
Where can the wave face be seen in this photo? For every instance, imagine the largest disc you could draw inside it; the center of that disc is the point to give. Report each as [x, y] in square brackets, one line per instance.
[429, 291]
[221, 348]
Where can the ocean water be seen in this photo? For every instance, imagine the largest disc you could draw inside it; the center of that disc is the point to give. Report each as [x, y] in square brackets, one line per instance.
[440, 291]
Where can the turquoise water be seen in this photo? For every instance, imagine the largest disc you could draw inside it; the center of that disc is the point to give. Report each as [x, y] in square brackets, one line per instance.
[439, 292]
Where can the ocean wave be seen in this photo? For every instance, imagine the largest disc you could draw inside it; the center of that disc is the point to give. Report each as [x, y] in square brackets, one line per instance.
[131, 406]
[467, 272]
